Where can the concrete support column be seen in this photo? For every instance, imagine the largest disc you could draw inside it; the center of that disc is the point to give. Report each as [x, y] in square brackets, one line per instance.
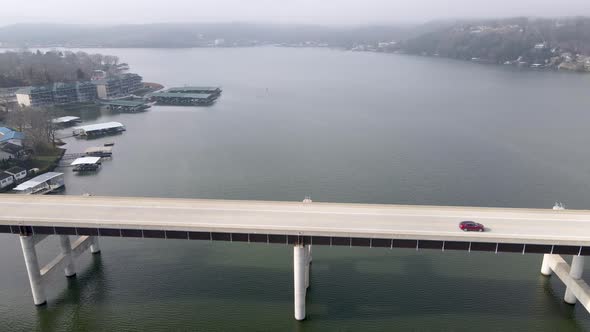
[576, 270]
[299, 269]
[307, 260]
[66, 250]
[32, 264]
[94, 247]
[545, 268]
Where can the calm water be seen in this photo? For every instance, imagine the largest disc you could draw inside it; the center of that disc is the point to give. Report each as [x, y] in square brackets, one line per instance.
[339, 126]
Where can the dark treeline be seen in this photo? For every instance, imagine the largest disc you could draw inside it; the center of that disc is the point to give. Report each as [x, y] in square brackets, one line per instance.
[38, 68]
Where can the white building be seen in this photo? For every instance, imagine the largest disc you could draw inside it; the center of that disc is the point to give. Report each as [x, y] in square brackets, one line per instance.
[18, 173]
[5, 180]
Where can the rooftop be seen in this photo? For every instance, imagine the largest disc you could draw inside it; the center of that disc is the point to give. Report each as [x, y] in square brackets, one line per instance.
[15, 170]
[100, 126]
[32, 183]
[4, 175]
[65, 119]
[85, 161]
[8, 134]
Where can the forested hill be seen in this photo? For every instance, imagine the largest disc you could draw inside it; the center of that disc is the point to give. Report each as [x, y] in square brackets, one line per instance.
[499, 41]
[39, 68]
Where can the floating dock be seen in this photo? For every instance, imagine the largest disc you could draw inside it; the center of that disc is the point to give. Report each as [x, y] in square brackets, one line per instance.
[99, 151]
[42, 184]
[99, 129]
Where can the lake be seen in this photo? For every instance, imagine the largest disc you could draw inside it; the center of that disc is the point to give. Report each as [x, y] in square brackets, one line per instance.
[340, 127]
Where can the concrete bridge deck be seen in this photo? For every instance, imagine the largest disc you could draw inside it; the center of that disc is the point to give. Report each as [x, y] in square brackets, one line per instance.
[353, 221]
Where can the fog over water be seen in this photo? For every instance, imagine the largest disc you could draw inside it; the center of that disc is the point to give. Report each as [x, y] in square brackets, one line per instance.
[325, 12]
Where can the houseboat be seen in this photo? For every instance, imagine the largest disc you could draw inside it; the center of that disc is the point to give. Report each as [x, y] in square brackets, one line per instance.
[99, 129]
[42, 184]
[86, 164]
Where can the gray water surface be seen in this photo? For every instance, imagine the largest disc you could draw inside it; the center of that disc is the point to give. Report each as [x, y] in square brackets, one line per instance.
[341, 127]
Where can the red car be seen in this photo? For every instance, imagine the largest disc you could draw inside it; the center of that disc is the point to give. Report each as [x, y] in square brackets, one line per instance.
[471, 226]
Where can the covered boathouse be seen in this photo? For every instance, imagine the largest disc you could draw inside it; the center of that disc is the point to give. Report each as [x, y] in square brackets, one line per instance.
[132, 106]
[184, 99]
[99, 129]
[42, 184]
[86, 164]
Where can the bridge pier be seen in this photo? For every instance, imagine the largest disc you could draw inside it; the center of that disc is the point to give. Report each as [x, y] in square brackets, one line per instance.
[32, 263]
[94, 246]
[576, 270]
[66, 251]
[545, 267]
[300, 278]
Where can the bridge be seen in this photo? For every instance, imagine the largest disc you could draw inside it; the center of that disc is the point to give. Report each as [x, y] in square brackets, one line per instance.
[299, 224]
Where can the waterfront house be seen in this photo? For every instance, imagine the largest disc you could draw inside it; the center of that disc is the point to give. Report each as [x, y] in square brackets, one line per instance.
[8, 135]
[10, 150]
[18, 173]
[6, 180]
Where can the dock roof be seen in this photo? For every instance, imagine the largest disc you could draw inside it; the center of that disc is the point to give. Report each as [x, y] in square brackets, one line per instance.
[100, 126]
[85, 161]
[32, 183]
[8, 134]
[65, 119]
[126, 103]
[194, 88]
[182, 95]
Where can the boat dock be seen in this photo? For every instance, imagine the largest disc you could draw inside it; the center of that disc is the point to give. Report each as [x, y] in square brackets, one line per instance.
[42, 184]
[187, 96]
[197, 89]
[65, 121]
[184, 99]
[99, 129]
[86, 164]
[132, 106]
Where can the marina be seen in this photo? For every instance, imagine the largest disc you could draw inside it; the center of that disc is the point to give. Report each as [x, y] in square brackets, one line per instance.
[42, 184]
[99, 129]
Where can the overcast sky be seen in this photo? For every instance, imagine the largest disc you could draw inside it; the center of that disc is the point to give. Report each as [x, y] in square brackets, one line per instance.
[325, 12]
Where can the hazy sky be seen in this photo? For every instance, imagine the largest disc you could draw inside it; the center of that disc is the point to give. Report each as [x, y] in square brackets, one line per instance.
[278, 11]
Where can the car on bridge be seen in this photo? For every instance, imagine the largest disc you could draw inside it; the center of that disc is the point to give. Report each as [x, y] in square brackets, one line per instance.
[471, 226]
